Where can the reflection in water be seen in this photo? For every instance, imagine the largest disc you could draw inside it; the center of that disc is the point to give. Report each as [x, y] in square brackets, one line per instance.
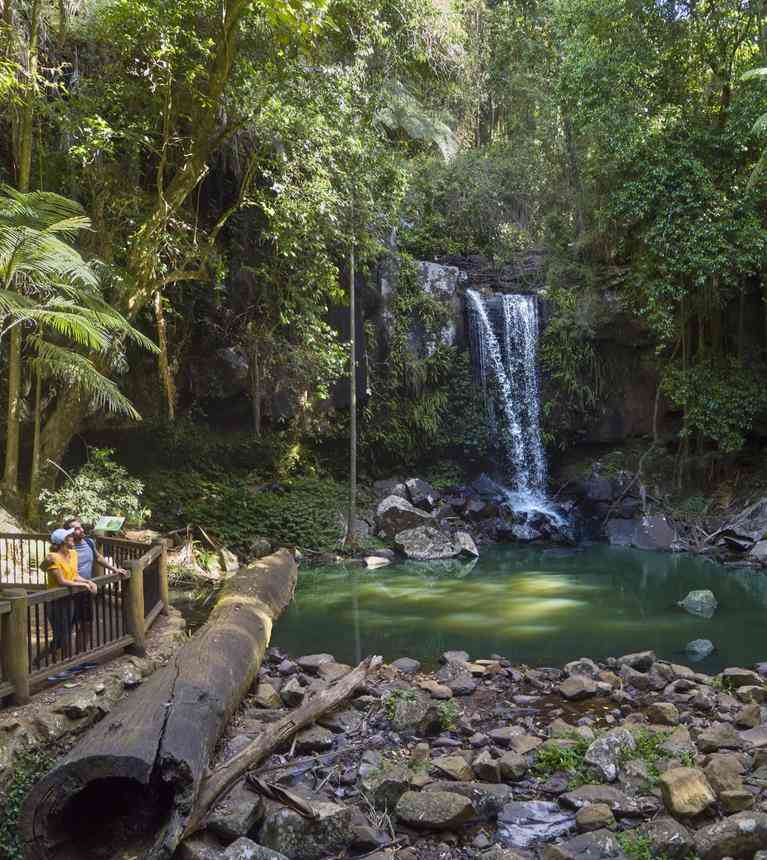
[532, 606]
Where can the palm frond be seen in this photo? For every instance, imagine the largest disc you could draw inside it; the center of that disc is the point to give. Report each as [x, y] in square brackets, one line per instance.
[69, 324]
[74, 369]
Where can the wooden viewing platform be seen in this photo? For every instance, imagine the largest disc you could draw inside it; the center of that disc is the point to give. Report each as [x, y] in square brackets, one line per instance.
[116, 618]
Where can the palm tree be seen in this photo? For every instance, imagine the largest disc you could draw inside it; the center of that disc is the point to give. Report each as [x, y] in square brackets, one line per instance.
[46, 286]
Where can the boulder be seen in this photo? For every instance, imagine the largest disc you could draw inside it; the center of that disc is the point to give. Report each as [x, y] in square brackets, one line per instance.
[604, 753]
[524, 533]
[719, 736]
[685, 791]
[594, 817]
[467, 545]
[751, 524]
[578, 687]
[642, 661]
[247, 849]
[523, 824]
[426, 543]
[739, 836]
[486, 798]
[454, 767]
[299, 838]
[311, 662]
[669, 838]
[618, 802]
[737, 800]
[413, 712]
[699, 649]
[724, 772]
[701, 602]
[649, 532]
[486, 768]
[759, 552]
[386, 785]
[422, 494]
[407, 665]
[752, 694]
[434, 810]
[734, 677]
[267, 697]
[390, 487]
[513, 766]
[458, 678]
[582, 666]
[599, 845]
[314, 739]
[748, 717]
[663, 713]
[239, 814]
[395, 514]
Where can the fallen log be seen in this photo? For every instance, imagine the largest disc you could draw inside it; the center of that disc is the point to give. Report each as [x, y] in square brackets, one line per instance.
[137, 774]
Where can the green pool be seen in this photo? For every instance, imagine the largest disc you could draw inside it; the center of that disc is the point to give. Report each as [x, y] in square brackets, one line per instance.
[533, 606]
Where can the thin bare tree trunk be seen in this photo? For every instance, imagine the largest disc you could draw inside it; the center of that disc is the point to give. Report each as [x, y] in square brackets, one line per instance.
[24, 162]
[34, 476]
[255, 389]
[163, 363]
[351, 535]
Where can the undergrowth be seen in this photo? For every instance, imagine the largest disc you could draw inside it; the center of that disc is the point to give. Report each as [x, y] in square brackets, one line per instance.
[28, 768]
[568, 759]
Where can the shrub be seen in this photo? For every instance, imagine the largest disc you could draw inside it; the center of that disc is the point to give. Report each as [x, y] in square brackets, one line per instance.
[100, 487]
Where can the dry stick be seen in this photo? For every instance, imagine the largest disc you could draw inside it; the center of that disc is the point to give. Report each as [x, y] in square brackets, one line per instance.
[628, 486]
[224, 778]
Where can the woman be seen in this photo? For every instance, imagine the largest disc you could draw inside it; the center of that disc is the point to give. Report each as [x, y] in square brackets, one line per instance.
[61, 571]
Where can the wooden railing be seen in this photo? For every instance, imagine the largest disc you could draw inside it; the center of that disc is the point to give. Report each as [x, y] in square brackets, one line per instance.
[44, 631]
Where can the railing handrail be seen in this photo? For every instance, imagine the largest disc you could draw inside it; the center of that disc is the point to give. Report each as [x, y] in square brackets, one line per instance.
[45, 537]
[47, 595]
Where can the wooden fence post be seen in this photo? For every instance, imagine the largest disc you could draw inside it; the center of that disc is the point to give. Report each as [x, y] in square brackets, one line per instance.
[15, 653]
[134, 607]
[162, 572]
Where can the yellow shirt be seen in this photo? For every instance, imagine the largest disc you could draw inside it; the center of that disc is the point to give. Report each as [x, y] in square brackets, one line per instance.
[66, 566]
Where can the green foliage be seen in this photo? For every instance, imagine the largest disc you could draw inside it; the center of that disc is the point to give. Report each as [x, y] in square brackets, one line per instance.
[649, 750]
[638, 846]
[303, 512]
[720, 399]
[568, 759]
[448, 714]
[28, 768]
[424, 404]
[395, 696]
[100, 487]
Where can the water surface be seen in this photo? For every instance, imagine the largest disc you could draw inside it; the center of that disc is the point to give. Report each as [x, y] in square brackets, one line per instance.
[534, 606]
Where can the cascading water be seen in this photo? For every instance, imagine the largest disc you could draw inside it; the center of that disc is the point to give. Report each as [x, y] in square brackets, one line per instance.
[504, 338]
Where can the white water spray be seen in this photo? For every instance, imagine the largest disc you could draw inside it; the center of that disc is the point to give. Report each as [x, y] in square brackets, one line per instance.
[507, 350]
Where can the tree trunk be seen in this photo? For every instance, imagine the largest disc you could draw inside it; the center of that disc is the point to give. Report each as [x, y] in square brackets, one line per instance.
[138, 773]
[575, 176]
[34, 475]
[13, 420]
[255, 389]
[351, 535]
[163, 363]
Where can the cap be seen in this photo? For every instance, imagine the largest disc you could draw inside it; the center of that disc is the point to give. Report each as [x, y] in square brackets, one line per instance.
[60, 535]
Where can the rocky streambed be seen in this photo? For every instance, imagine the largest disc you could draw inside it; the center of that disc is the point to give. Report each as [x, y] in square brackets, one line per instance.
[630, 758]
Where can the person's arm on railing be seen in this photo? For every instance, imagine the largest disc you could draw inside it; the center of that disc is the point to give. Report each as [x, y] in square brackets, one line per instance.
[121, 571]
[77, 582]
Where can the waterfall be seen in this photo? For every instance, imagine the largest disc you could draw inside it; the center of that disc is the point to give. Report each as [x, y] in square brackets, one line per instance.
[504, 340]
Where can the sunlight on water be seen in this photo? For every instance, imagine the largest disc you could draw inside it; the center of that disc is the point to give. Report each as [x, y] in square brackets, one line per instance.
[536, 608]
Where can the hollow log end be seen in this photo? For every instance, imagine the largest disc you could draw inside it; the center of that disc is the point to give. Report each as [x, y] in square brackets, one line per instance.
[68, 810]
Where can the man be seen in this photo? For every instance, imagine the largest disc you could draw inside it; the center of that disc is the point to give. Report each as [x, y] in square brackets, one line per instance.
[87, 553]
[87, 556]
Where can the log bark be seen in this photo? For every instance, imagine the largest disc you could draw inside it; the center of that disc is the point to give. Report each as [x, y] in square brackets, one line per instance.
[137, 774]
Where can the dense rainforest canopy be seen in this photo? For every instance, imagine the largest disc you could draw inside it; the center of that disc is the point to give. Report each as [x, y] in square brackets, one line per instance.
[187, 180]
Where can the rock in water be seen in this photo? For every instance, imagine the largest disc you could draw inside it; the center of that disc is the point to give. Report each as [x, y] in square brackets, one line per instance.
[701, 602]
[425, 543]
[466, 542]
[699, 649]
